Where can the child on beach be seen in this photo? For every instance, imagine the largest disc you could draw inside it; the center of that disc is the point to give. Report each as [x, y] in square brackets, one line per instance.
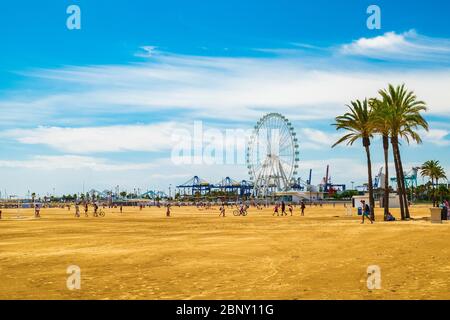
[291, 209]
[275, 210]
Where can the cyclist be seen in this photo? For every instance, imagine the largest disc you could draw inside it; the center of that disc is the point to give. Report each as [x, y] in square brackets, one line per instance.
[95, 210]
[242, 210]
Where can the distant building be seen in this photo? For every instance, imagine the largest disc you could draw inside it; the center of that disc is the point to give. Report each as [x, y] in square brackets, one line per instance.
[394, 201]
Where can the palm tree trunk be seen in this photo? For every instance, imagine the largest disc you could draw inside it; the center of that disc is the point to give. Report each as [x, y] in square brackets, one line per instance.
[397, 173]
[405, 198]
[366, 143]
[436, 193]
[386, 175]
[432, 190]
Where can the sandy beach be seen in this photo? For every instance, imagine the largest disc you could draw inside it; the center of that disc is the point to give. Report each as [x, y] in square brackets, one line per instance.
[196, 255]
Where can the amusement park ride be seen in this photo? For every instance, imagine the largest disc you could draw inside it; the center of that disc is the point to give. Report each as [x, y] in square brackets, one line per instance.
[272, 158]
[273, 155]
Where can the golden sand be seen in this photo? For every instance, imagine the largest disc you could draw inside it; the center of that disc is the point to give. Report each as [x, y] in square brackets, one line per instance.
[196, 255]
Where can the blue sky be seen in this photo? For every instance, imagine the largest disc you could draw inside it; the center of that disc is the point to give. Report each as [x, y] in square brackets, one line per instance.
[98, 106]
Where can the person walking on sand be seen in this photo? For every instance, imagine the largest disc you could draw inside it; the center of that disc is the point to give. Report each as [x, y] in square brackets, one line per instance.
[275, 210]
[291, 209]
[37, 211]
[77, 210]
[120, 209]
[366, 212]
[447, 205]
[86, 208]
[168, 210]
[283, 208]
[302, 208]
[222, 211]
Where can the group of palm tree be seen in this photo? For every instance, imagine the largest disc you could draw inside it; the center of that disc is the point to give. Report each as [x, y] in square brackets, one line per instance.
[395, 115]
[433, 170]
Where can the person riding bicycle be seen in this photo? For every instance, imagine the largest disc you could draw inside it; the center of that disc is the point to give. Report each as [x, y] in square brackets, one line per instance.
[242, 210]
[95, 210]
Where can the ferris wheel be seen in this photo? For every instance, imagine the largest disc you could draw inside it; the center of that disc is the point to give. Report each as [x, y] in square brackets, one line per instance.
[272, 155]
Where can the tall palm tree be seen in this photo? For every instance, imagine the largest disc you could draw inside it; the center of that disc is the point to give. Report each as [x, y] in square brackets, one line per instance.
[405, 120]
[433, 170]
[381, 111]
[359, 122]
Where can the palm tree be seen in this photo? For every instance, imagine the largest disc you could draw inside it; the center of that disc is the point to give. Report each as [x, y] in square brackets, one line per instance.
[381, 112]
[359, 122]
[433, 170]
[404, 119]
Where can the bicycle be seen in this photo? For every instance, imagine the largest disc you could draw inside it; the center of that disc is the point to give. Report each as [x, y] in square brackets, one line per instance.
[240, 213]
[100, 213]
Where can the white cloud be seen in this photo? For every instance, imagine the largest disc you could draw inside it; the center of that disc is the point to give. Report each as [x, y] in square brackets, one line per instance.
[317, 139]
[235, 89]
[154, 137]
[195, 138]
[148, 51]
[70, 105]
[439, 137]
[73, 162]
[400, 47]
